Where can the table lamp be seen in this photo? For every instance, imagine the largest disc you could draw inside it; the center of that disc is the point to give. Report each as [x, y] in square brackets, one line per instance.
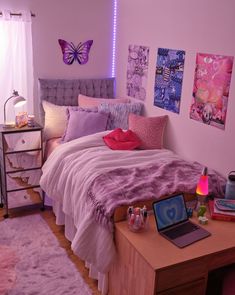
[18, 101]
[202, 192]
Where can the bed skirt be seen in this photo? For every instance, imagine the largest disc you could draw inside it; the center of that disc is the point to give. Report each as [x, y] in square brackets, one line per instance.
[69, 231]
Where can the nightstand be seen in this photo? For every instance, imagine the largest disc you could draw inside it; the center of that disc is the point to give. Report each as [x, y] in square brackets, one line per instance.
[21, 159]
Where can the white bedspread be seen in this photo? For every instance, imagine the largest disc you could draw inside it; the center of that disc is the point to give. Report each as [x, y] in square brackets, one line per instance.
[67, 174]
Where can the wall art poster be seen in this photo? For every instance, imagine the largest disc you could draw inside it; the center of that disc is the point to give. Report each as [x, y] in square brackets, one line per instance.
[169, 79]
[137, 71]
[211, 89]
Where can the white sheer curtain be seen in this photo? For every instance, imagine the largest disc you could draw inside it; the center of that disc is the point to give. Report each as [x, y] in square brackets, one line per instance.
[16, 62]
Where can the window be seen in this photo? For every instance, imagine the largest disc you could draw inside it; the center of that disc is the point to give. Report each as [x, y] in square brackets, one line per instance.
[16, 61]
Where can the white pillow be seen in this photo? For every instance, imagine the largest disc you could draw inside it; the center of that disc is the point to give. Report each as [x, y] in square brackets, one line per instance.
[55, 120]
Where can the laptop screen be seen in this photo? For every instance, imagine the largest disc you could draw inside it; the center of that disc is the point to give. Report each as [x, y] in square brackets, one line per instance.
[170, 211]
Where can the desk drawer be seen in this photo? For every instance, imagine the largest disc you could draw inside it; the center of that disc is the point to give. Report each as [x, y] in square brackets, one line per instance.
[221, 259]
[181, 274]
[197, 287]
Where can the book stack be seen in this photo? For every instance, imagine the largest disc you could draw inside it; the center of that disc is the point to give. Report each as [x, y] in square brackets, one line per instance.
[222, 209]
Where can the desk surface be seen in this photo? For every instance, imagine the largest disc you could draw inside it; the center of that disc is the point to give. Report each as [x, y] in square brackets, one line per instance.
[151, 245]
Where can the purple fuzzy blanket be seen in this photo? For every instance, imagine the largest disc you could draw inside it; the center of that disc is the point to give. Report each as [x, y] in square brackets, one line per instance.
[124, 186]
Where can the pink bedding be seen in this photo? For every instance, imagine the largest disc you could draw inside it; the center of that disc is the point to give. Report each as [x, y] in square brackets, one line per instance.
[69, 176]
[51, 144]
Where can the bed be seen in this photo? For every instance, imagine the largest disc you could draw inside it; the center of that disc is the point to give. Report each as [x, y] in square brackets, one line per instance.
[87, 181]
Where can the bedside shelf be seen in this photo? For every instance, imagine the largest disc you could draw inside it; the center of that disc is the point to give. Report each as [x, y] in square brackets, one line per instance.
[21, 159]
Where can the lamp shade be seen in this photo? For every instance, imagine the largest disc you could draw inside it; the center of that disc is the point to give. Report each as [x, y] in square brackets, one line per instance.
[19, 101]
[202, 185]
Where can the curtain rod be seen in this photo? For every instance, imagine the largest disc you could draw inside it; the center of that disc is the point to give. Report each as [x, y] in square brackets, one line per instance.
[19, 14]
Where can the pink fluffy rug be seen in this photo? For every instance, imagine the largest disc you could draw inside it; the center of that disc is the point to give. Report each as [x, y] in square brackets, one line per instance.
[32, 262]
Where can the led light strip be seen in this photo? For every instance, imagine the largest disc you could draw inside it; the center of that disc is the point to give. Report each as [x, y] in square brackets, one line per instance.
[114, 36]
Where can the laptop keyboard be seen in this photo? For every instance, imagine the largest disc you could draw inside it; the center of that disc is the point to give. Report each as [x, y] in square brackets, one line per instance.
[180, 230]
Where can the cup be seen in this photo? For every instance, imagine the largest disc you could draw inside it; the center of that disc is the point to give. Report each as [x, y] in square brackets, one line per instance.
[31, 120]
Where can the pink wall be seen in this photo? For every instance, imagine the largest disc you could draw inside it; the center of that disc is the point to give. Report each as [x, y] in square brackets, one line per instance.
[72, 20]
[205, 26]
[194, 26]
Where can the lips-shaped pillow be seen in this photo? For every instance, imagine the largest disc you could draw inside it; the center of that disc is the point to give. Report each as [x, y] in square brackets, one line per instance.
[122, 140]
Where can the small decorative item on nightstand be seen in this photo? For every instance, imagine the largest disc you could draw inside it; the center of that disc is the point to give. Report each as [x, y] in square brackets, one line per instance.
[30, 120]
[21, 119]
[202, 192]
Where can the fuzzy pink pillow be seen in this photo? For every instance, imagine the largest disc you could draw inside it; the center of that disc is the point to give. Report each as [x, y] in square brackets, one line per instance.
[87, 102]
[150, 130]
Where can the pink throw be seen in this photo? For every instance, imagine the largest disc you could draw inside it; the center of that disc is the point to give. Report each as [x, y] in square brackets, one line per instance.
[124, 186]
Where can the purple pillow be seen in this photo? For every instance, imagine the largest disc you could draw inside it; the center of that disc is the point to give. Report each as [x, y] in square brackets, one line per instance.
[82, 122]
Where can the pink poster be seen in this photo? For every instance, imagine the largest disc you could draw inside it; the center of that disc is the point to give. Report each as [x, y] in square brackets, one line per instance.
[211, 89]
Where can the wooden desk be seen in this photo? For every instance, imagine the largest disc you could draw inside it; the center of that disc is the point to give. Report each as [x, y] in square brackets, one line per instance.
[148, 264]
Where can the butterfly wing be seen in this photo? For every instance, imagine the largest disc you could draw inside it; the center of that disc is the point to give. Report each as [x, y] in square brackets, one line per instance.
[83, 50]
[69, 51]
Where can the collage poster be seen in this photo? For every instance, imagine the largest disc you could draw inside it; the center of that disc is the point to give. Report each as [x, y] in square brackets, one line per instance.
[137, 71]
[211, 89]
[169, 79]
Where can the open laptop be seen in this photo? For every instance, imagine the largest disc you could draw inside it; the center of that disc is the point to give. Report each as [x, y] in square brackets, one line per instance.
[173, 222]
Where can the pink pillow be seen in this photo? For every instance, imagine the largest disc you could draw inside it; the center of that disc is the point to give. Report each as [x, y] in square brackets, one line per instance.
[87, 102]
[149, 130]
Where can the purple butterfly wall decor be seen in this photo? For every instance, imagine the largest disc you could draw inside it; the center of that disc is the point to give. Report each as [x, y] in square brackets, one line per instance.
[71, 52]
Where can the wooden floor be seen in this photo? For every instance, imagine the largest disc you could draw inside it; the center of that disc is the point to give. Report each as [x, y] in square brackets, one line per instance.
[58, 231]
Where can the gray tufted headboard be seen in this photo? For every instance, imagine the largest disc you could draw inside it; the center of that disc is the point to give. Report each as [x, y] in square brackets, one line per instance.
[66, 91]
